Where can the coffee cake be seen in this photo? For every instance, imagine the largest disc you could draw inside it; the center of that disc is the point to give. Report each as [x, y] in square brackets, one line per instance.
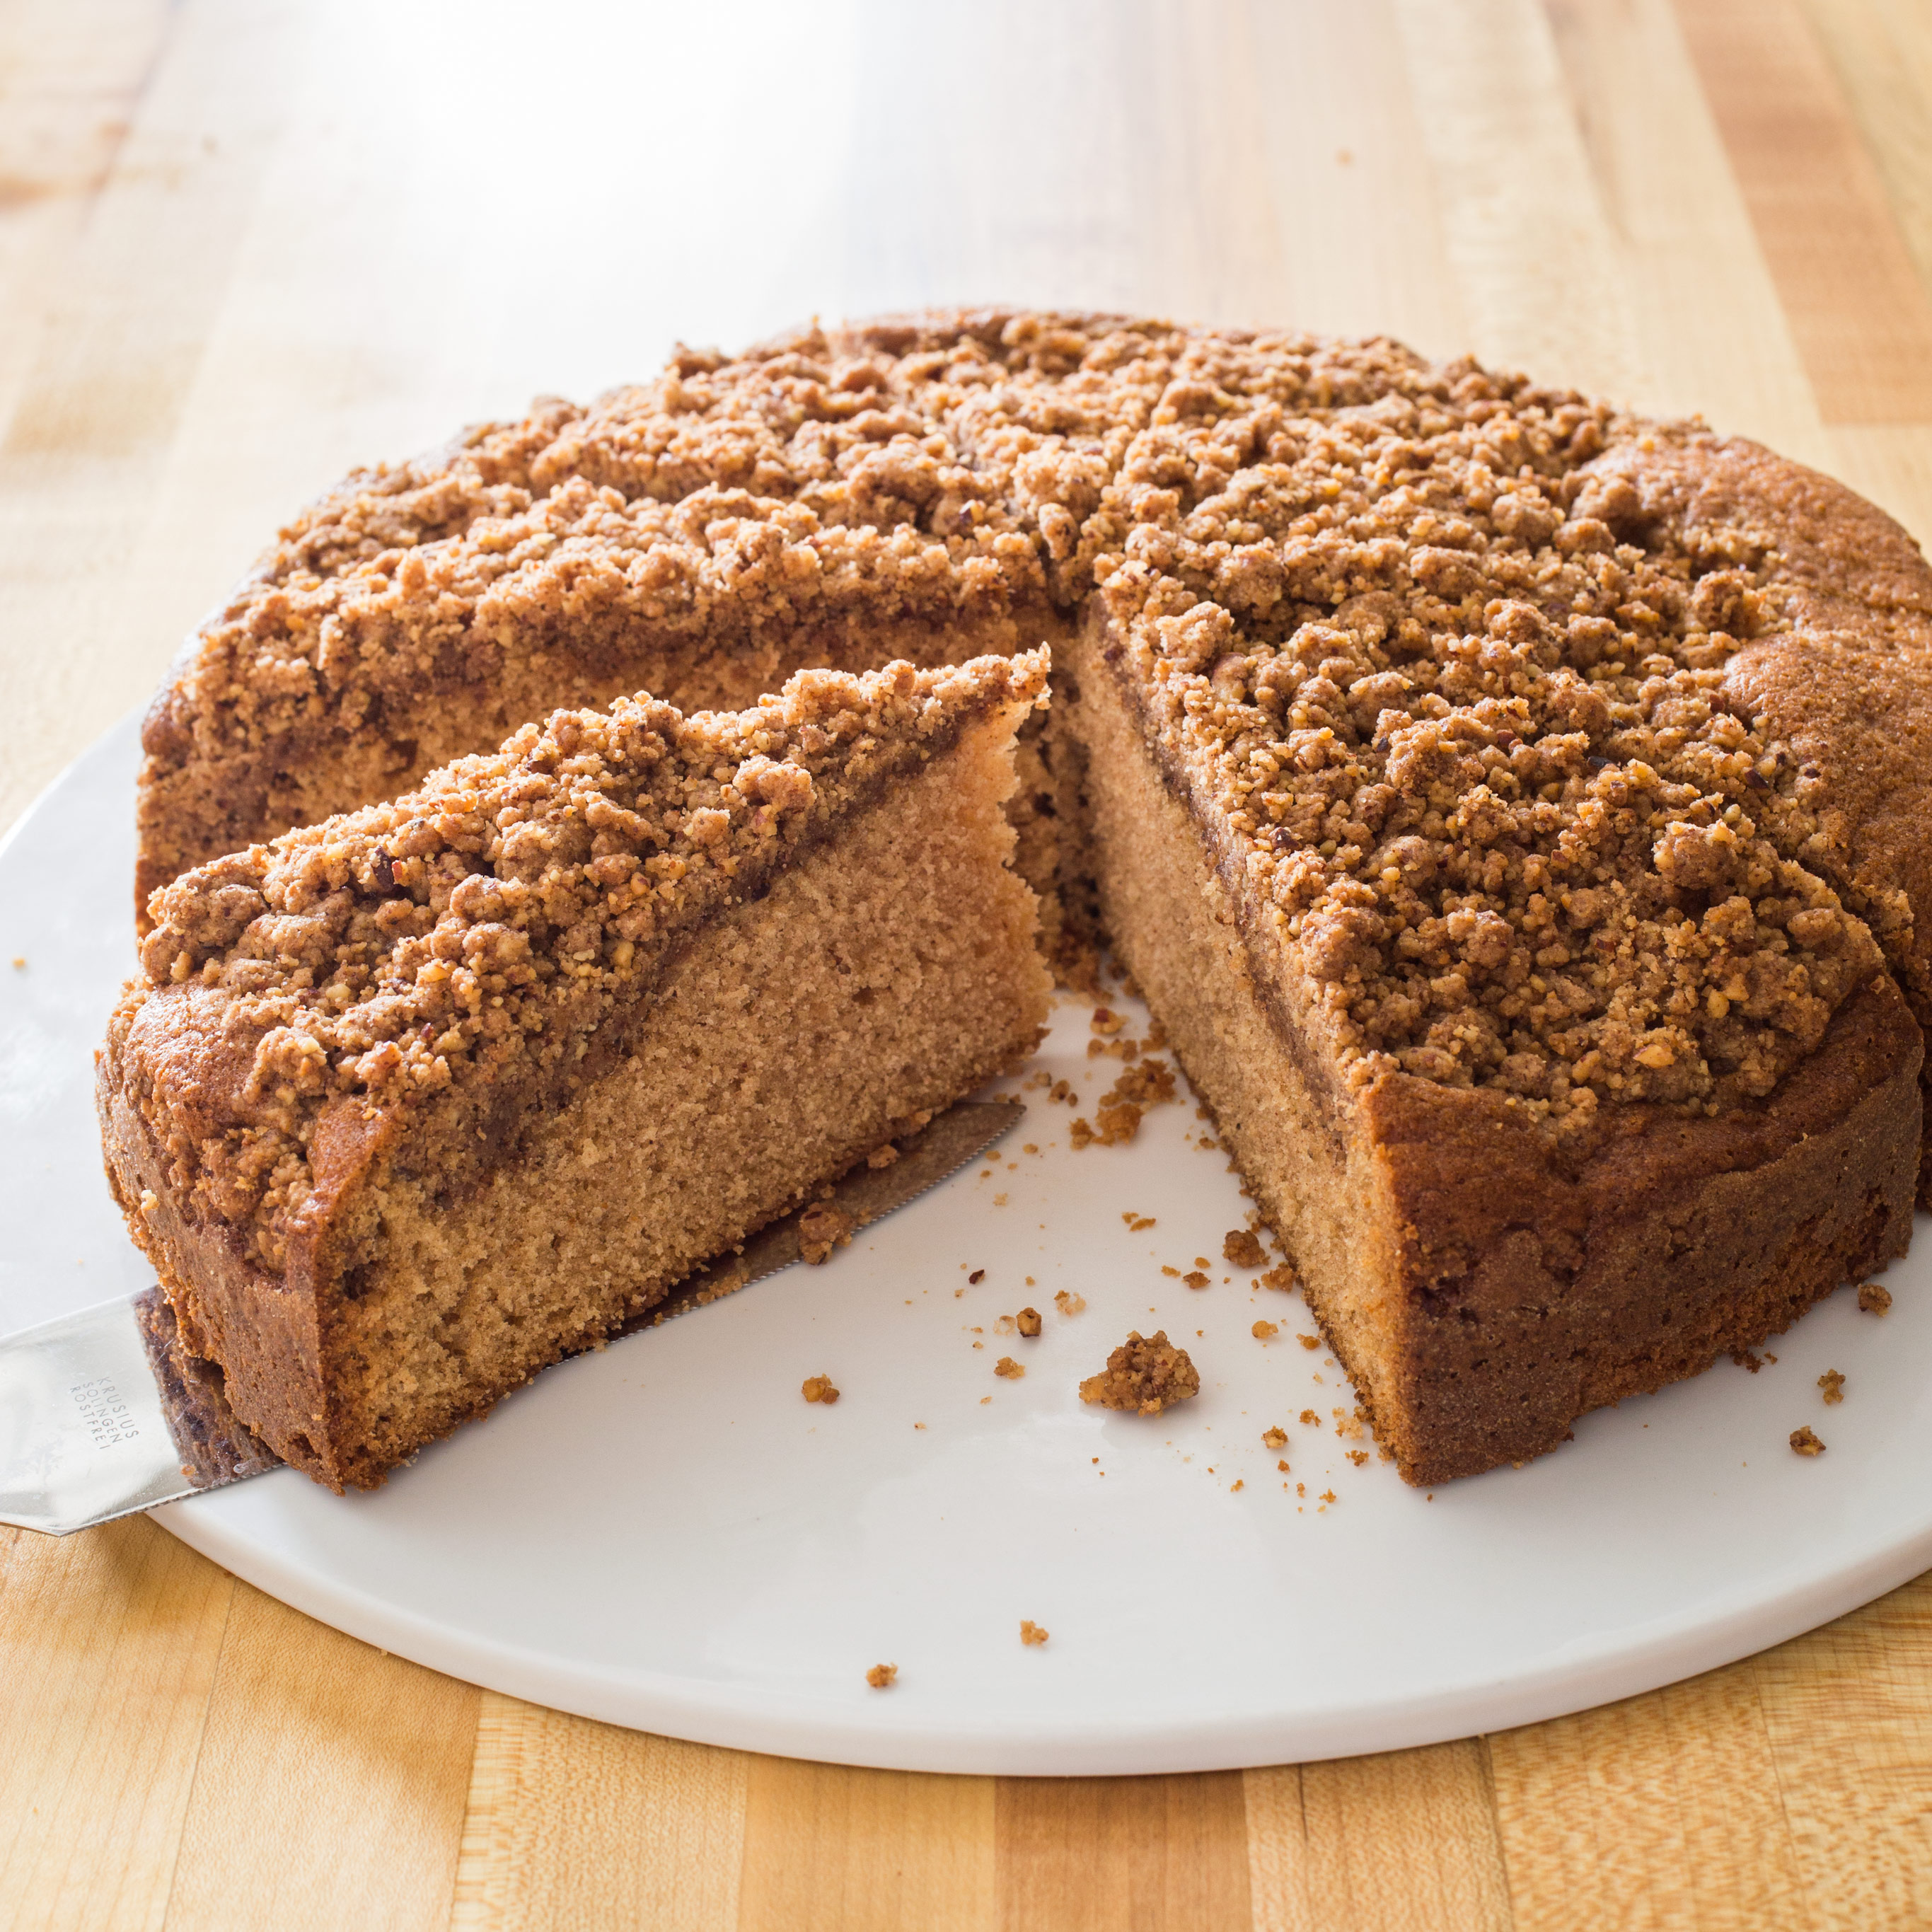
[1513, 809]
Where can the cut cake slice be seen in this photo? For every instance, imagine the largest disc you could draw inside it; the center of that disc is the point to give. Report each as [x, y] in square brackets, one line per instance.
[409, 1104]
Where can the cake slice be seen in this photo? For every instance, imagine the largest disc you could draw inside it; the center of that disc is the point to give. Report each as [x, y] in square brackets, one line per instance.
[409, 1104]
[1485, 929]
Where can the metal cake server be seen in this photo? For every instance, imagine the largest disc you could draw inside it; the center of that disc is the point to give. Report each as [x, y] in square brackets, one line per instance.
[104, 1413]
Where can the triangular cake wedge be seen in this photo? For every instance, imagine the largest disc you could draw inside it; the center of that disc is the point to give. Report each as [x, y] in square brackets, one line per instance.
[410, 1103]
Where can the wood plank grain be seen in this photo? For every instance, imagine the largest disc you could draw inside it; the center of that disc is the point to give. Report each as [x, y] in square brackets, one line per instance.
[71, 75]
[1124, 1854]
[1403, 1841]
[1349, 179]
[330, 1786]
[571, 1823]
[108, 1642]
[1526, 232]
[1662, 1810]
[1712, 336]
[1881, 52]
[829, 1848]
[1862, 318]
[1848, 1712]
[96, 410]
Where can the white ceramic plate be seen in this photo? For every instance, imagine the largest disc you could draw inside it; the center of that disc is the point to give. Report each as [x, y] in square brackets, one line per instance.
[666, 1535]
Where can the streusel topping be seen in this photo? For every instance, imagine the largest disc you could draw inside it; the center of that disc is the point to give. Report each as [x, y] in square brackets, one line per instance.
[1454, 702]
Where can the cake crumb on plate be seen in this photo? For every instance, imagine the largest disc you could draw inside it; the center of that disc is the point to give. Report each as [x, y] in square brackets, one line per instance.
[818, 1388]
[1240, 1246]
[1874, 1299]
[1833, 1385]
[1264, 1331]
[1028, 1319]
[883, 1676]
[1031, 1633]
[820, 1229]
[1005, 1365]
[1806, 1442]
[1274, 1438]
[1145, 1373]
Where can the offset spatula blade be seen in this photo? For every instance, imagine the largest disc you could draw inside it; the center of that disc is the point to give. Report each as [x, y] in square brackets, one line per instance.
[101, 1414]
[104, 1413]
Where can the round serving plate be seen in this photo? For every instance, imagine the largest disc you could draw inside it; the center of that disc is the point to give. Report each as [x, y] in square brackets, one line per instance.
[665, 1535]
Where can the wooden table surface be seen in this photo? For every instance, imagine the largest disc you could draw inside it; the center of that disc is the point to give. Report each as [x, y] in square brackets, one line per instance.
[244, 245]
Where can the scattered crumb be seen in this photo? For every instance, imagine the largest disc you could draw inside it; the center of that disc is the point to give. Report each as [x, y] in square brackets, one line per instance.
[1833, 1384]
[1028, 1319]
[1275, 1438]
[1264, 1331]
[1806, 1443]
[1031, 1632]
[20, 963]
[1030, 1282]
[1282, 1466]
[882, 1676]
[1872, 1298]
[1005, 1365]
[883, 1157]
[1280, 1278]
[1029, 1148]
[919, 1425]
[1327, 1495]
[1138, 1224]
[1195, 1278]
[1240, 1246]
[1310, 1419]
[1745, 1359]
[818, 1388]
[999, 1201]
[1358, 1456]
[1145, 1373]
[1308, 1341]
[1104, 1020]
[976, 1277]
[1003, 1325]
[1173, 1273]
[1118, 1111]
[822, 1228]
[1067, 1303]
[1237, 1484]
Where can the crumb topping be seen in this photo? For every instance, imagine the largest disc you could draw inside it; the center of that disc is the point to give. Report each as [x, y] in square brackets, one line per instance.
[1448, 689]
[1442, 666]
[471, 939]
[1145, 1374]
